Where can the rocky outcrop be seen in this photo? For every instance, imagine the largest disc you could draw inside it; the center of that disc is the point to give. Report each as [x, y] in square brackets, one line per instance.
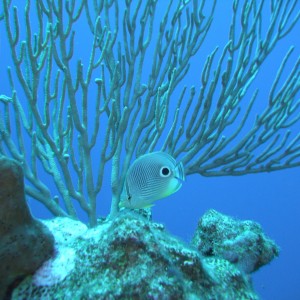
[131, 257]
[25, 243]
[128, 257]
[242, 243]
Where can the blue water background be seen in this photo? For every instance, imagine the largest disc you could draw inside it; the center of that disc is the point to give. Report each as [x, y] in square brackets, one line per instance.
[272, 199]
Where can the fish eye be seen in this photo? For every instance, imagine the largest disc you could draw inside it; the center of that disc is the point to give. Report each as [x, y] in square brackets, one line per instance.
[165, 172]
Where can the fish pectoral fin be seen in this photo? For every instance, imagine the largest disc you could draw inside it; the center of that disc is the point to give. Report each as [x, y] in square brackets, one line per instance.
[149, 205]
[129, 196]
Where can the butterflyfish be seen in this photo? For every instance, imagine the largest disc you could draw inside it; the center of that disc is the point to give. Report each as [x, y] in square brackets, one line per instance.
[151, 177]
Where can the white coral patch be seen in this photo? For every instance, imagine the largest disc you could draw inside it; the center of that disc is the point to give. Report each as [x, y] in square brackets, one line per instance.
[55, 269]
[65, 230]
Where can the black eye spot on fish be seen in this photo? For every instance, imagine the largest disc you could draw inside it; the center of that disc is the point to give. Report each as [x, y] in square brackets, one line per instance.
[165, 172]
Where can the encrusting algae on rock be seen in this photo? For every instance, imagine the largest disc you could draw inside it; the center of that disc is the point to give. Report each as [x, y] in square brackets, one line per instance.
[127, 257]
[242, 243]
[131, 257]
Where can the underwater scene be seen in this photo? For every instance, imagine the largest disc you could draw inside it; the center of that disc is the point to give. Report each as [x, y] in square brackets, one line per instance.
[150, 149]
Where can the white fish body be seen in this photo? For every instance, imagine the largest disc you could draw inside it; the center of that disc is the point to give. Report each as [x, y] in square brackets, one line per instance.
[151, 177]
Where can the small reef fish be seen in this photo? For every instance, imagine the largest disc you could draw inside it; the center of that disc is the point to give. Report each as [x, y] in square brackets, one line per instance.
[151, 177]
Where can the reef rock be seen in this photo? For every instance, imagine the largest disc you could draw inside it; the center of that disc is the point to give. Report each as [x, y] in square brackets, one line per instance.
[242, 243]
[131, 257]
[25, 243]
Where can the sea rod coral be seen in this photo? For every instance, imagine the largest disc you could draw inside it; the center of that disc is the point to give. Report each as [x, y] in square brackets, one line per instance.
[91, 85]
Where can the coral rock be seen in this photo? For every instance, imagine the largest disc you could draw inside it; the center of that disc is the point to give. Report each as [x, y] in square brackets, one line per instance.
[242, 243]
[131, 257]
[25, 243]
